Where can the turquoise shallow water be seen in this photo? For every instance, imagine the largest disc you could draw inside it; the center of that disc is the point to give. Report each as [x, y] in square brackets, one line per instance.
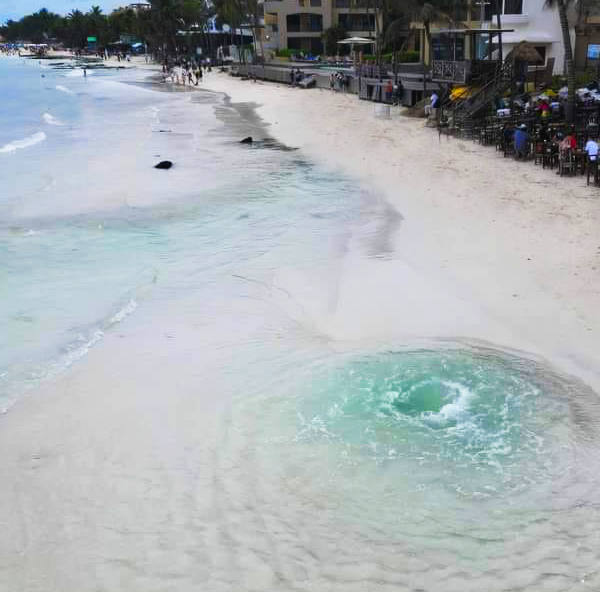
[444, 466]
[89, 229]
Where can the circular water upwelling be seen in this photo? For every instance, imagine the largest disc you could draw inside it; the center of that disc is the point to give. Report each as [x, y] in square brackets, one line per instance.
[477, 422]
[449, 469]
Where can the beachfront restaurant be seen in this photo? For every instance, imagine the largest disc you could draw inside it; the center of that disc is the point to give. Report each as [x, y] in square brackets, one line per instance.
[464, 56]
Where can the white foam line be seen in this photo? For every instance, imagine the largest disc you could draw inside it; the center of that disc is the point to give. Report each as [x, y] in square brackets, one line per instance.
[51, 120]
[124, 312]
[24, 143]
[64, 89]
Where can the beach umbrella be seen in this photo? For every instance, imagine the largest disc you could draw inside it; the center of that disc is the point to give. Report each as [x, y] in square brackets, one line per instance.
[356, 41]
[352, 41]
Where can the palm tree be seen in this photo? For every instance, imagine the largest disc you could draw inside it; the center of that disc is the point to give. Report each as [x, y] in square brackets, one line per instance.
[563, 7]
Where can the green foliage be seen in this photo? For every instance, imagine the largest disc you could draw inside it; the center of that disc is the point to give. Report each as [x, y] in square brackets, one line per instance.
[402, 57]
[586, 77]
[286, 53]
[409, 56]
[331, 37]
[158, 26]
[558, 81]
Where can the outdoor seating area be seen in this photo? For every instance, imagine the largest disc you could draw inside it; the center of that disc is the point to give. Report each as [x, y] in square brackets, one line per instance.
[554, 145]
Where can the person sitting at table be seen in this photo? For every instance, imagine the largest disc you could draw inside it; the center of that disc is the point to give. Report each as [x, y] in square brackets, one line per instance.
[571, 141]
[507, 136]
[544, 133]
[521, 140]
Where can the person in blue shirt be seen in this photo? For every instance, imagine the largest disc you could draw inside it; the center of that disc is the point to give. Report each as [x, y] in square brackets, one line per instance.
[521, 141]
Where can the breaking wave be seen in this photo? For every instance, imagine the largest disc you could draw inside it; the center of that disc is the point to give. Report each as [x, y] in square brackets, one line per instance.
[24, 143]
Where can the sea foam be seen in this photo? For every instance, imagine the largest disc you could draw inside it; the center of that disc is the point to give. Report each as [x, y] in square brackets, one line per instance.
[24, 143]
[51, 120]
[64, 89]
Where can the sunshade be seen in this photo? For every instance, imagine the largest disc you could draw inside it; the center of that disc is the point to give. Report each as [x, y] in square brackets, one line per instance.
[525, 52]
[356, 41]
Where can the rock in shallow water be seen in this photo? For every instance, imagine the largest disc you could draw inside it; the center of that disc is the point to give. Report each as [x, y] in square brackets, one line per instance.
[247, 140]
[164, 164]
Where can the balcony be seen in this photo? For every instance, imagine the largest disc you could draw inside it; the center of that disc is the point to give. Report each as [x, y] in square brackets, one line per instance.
[463, 71]
[450, 71]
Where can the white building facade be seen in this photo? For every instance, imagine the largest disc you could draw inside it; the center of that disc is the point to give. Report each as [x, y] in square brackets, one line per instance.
[533, 22]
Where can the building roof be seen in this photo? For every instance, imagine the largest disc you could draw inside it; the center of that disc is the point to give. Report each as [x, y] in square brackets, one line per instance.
[471, 31]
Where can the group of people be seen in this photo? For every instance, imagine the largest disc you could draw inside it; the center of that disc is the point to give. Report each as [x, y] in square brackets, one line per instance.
[185, 71]
[544, 107]
[561, 143]
[9, 50]
[339, 81]
[296, 75]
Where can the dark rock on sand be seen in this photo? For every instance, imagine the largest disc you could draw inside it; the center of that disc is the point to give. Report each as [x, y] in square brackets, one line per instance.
[247, 140]
[164, 164]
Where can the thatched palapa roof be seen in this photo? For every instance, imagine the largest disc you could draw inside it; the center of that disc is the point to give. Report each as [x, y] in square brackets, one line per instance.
[525, 52]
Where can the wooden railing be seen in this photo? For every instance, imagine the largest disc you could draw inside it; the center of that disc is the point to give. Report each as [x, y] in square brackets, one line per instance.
[450, 71]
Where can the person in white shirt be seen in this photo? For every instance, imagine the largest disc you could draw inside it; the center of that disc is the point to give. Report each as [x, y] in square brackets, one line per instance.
[591, 147]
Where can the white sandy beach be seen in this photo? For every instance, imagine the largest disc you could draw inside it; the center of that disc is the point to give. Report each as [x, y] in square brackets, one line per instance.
[511, 252]
[127, 473]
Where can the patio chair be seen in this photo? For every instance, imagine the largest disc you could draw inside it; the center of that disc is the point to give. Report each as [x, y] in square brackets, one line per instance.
[538, 152]
[567, 163]
[508, 148]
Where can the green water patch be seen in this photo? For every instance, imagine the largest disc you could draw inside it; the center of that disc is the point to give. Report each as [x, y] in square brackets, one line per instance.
[476, 421]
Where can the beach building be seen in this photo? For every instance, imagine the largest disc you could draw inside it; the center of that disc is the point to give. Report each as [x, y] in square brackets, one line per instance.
[535, 23]
[587, 43]
[300, 24]
[524, 20]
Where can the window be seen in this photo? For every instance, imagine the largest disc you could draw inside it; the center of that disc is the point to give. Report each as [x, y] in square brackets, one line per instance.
[513, 6]
[491, 8]
[275, 28]
[342, 3]
[293, 23]
[357, 22]
[312, 45]
[541, 49]
[304, 23]
[448, 48]
[315, 3]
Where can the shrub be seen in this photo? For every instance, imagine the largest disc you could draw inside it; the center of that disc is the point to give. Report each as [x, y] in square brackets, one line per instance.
[286, 53]
[409, 56]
